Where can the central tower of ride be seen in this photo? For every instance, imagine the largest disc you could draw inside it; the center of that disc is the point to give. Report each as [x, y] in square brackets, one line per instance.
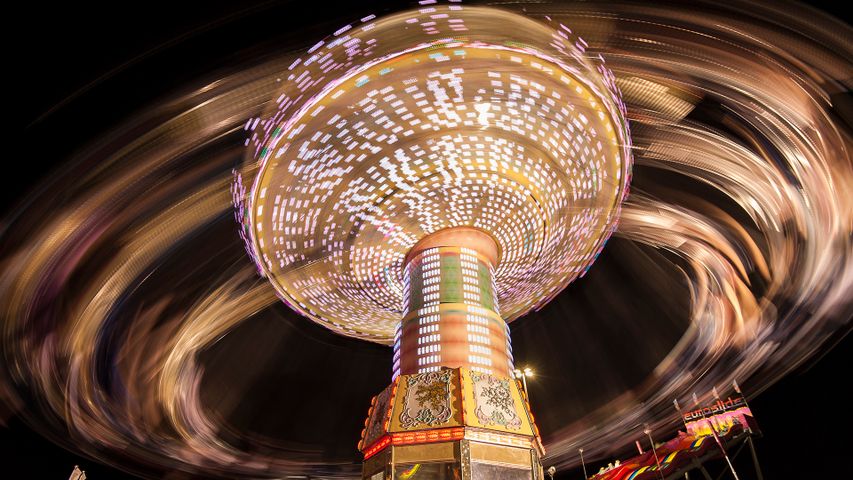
[452, 410]
[450, 306]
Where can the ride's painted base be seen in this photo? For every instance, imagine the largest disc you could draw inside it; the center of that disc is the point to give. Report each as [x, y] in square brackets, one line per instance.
[451, 424]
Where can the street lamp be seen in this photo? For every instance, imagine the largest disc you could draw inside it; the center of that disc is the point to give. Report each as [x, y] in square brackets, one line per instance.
[648, 431]
[523, 374]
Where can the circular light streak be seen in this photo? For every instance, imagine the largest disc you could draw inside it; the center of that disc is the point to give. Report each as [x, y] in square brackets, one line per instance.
[765, 248]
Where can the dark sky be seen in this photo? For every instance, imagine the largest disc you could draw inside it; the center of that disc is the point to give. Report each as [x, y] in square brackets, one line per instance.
[82, 69]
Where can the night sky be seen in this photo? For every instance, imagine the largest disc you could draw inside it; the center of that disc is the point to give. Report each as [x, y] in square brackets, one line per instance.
[83, 69]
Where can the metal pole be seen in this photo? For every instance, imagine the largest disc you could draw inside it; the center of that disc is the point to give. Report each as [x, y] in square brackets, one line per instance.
[745, 403]
[648, 431]
[755, 458]
[704, 472]
[716, 437]
[583, 464]
[755, 463]
[720, 400]
[680, 414]
[733, 456]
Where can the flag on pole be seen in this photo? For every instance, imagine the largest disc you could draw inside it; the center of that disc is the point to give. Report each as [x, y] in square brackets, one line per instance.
[681, 414]
[77, 474]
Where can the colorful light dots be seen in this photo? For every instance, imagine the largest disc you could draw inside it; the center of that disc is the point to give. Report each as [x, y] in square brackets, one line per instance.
[385, 134]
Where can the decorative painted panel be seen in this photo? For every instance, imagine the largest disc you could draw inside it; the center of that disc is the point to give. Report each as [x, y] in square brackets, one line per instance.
[495, 403]
[427, 400]
[378, 415]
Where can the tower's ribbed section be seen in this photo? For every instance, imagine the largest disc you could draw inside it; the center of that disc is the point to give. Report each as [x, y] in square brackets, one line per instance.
[451, 316]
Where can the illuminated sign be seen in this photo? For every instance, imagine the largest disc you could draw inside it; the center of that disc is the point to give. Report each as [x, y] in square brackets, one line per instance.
[722, 415]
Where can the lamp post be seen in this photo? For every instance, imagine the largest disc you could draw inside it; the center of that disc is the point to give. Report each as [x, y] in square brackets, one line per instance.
[523, 374]
[648, 431]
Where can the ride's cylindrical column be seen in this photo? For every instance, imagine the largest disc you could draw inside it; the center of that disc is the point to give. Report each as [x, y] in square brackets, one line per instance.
[450, 315]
